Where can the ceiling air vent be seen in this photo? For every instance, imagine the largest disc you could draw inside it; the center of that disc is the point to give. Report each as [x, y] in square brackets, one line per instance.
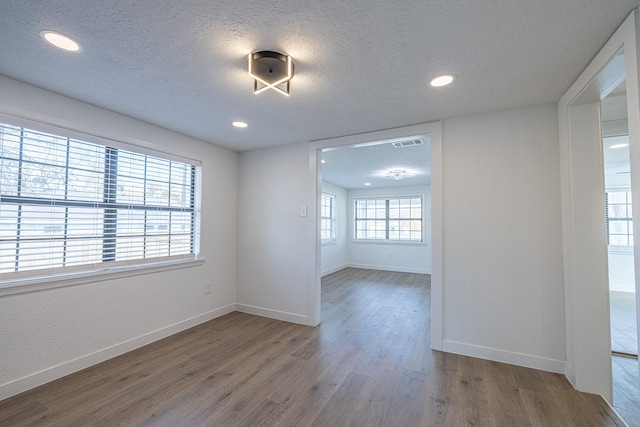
[408, 143]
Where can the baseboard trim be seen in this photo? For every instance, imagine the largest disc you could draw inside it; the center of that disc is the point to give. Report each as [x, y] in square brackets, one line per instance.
[272, 314]
[519, 359]
[387, 268]
[53, 373]
[333, 270]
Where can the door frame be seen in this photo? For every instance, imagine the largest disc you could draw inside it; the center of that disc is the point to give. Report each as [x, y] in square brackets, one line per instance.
[588, 340]
[434, 130]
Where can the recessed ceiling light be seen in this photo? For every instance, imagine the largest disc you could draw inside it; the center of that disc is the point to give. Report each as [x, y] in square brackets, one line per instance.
[367, 184]
[240, 124]
[621, 145]
[442, 80]
[323, 161]
[60, 40]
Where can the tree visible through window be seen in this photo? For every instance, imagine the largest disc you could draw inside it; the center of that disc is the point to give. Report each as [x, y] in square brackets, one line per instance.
[398, 219]
[619, 218]
[66, 202]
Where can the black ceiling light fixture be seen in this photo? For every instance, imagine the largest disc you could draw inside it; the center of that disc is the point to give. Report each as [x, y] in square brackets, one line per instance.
[271, 70]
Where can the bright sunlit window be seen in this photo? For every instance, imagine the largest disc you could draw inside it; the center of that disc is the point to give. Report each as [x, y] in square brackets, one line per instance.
[66, 203]
[619, 218]
[328, 218]
[389, 219]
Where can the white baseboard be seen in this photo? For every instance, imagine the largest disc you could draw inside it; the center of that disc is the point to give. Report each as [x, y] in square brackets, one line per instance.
[519, 359]
[47, 375]
[333, 270]
[389, 268]
[272, 314]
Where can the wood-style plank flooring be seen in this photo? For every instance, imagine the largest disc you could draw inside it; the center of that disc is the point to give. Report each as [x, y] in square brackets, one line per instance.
[368, 364]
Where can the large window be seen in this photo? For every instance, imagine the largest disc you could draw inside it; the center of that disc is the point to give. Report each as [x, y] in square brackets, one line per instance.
[397, 219]
[328, 218]
[619, 218]
[66, 202]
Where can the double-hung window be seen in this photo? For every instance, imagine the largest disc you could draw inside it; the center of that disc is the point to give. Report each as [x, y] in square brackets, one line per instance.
[71, 205]
[619, 218]
[328, 218]
[389, 219]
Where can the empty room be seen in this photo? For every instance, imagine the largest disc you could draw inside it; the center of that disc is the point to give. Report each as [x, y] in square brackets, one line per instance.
[319, 213]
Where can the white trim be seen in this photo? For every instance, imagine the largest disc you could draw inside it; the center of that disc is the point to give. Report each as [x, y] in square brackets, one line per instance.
[518, 359]
[272, 314]
[434, 130]
[82, 278]
[387, 242]
[334, 270]
[386, 268]
[588, 344]
[50, 374]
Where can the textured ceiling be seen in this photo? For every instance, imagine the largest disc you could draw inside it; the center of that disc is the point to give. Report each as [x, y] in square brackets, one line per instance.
[351, 167]
[361, 65]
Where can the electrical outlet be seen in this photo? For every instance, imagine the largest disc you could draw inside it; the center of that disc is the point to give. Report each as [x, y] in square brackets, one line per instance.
[303, 210]
[207, 288]
[389, 255]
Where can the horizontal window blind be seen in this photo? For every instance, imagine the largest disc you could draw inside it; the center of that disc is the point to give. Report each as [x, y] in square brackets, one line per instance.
[398, 219]
[66, 202]
[619, 218]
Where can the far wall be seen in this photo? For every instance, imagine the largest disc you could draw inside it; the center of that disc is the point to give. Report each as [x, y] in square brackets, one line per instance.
[403, 257]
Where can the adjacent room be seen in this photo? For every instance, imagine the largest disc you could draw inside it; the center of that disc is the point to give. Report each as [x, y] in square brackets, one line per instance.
[319, 213]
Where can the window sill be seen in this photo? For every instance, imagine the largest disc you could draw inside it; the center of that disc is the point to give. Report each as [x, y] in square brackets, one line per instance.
[22, 286]
[329, 242]
[388, 242]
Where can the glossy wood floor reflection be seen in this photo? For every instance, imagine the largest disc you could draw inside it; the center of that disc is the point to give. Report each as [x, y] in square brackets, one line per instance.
[368, 364]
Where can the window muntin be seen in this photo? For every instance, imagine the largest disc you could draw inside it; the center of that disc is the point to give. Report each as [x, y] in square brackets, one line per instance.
[389, 219]
[619, 218]
[328, 217]
[66, 202]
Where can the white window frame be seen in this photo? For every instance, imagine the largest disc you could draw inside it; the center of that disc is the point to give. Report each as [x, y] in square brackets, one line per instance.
[30, 280]
[331, 218]
[617, 248]
[387, 219]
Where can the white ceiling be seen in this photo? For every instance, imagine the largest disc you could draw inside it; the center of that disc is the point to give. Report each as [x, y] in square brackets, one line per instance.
[361, 65]
[351, 167]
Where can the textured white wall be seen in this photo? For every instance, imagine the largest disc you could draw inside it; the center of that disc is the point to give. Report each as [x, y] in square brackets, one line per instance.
[503, 283]
[411, 258]
[334, 256]
[273, 243]
[51, 333]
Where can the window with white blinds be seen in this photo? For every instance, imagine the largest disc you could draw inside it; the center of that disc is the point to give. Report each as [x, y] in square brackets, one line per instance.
[389, 219]
[66, 203]
[619, 218]
[327, 217]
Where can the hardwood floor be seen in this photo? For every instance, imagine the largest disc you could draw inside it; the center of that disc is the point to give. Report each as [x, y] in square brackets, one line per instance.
[626, 391]
[368, 364]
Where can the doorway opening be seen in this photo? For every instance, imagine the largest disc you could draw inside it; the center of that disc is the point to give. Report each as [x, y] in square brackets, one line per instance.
[401, 167]
[375, 206]
[619, 212]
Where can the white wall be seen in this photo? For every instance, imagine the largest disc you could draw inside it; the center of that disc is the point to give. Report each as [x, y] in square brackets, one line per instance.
[273, 243]
[503, 293]
[502, 275]
[622, 276]
[334, 255]
[50, 333]
[405, 257]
